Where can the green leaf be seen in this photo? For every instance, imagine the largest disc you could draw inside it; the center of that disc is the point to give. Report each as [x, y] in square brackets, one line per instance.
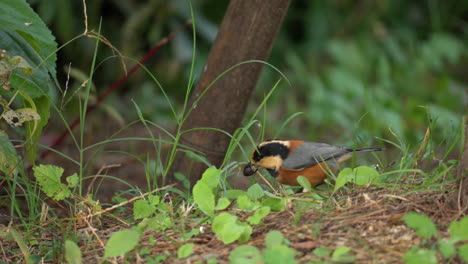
[228, 230]
[24, 35]
[463, 252]
[459, 230]
[304, 183]
[185, 250]
[48, 177]
[211, 177]
[322, 251]
[421, 223]
[418, 255]
[142, 209]
[223, 203]
[222, 220]
[274, 238]
[73, 180]
[258, 215]
[204, 198]
[342, 255]
[233, 194]
[255, 192]
[9, 159]
[244, 202]
[72, 253]
[364, 175]
[121, 242]
[342, 178]
[153, 199]
[275, 204]
[447, 249]
[34, 128]
[245, 254]
[280, 254]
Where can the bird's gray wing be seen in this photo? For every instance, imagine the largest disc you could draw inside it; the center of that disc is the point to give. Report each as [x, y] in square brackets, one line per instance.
[310, 153]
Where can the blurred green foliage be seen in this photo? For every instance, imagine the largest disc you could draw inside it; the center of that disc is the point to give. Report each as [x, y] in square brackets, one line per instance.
[357, 68]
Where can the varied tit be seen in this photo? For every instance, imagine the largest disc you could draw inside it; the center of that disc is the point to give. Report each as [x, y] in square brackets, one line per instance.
[288, 159]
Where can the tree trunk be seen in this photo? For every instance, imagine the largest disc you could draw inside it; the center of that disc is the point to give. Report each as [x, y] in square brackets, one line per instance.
[247, 32]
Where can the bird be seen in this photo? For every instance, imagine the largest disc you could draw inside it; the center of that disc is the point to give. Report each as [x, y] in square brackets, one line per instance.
[286, 160]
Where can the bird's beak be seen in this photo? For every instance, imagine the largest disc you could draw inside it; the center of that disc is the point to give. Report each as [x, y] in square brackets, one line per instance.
[249, 169]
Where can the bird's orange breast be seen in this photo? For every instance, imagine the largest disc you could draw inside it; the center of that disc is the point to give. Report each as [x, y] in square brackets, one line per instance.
[315, 174]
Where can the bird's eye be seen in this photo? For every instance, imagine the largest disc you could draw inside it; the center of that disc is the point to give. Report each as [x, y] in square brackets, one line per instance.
[257, 156]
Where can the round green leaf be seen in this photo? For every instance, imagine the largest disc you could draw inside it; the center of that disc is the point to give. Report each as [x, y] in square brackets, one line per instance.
[121, 242]
[245, 254]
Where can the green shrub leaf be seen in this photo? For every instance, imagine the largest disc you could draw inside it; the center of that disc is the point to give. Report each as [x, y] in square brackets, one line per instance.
[142, 209]
[421, 223]
[280, 254]
[255, 192]
[459, 230]
[274, 238]
[48, 177]
[121, 242]
[447, 249]
[204, 198]
[211, 177]
[364, 175]
[304, 183]
[185, 250]
[342, 178]
[258, 215]
[463, 252]
[418, 255]
[72, 253]
[245, 254]
[223, 203]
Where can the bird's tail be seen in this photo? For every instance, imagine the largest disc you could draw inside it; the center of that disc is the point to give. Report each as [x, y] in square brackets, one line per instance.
[367, 149]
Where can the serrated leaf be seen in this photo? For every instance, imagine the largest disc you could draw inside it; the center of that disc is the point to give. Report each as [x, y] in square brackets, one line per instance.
[153, 199]
[245, 254]
[255, 192]
[185, 250]
[121, 242]
[274, 238]
[73, 180]
[142, 209]
[459, 230]
[423, 225]
[72, 253]
[418, 255]
[258, 215]
[48, 177]
[223, 203]
[204, 198]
